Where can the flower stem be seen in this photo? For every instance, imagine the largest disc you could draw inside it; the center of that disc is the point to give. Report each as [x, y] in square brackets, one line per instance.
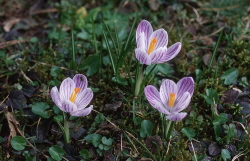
[66, 128]
[169, 129]
[139, 79]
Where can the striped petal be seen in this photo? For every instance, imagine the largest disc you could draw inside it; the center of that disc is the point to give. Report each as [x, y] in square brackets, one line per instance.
[82, 112]
[142, 42]
[157, 56]
[80, 81]
[161, 36]
[185, 85]
[167, 87]
[172, 52]
[142, 56]
[146, 28]
[84, 98]
[176, 116]
[66, 89]
[153, 97]
[56, 97]
[182, 102]
[68, 106]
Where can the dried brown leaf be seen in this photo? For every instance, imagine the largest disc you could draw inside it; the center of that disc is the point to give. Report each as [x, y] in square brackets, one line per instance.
[8, 24]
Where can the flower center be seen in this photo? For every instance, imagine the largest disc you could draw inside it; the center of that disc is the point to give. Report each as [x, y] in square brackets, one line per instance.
[171, 101]
[152, 45]
[74, 94]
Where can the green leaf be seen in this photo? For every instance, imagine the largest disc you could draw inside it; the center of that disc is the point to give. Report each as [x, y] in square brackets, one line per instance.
[84, 35]
[99, 119]
[39, 109]
[84, 153]
[56, 152]
[34, 40]
[120, 80]
[165, 69]
[211, 97]
[55, 71]
[91, 63]
[230, 76]
[1, 139]
[190, 133]
[96, 139]
[146, 128]
[18, 143]
[106, 141]
[225, 154]
[221, 119]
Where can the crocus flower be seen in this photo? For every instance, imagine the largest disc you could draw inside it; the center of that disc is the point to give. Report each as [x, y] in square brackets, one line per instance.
[151, 46]
[172, 98]
[73, 96]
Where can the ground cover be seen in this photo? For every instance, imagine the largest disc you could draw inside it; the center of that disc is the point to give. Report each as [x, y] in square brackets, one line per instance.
[117, 97]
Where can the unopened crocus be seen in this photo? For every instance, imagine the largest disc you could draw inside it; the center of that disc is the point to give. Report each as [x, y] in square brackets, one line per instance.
[73, 96]
[151, 45]
[172, 98]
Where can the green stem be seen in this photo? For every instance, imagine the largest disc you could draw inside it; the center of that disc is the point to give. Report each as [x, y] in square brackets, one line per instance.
[169, 129]
[139, 79]
[66, 128]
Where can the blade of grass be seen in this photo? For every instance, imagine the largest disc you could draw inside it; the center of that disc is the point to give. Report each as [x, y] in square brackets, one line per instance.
[73, 51]
[110, 54]
[113, 41]
[215, 51]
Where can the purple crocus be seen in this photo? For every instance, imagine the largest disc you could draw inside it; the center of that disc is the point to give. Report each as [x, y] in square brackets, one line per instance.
[73, 96]
[151, 46]
[172, 98]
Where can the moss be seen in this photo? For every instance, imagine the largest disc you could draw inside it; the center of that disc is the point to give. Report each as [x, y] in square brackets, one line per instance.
[180, 151]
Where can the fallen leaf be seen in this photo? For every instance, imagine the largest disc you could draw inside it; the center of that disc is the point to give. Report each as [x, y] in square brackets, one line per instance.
[12, 122]
[154, 4]
[214, 149]
[17, 99]
[7, 25]
[230, 96]
[114, 106]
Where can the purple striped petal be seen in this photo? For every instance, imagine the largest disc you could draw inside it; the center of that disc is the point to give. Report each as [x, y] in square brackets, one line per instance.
[167, 87]
[182, 102]
[56, 97]
[66, 89]
[80, 81]
[157, 56]
[153, 97]
[142, 42]
[176, 116]
[161, 36]
[172, 51]
[82, 112]
[146, 28]
[142, 56]
[68, 106]
[185, 85]
[83, 98]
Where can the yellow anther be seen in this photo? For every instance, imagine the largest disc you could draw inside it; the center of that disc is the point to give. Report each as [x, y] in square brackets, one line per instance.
[74, 94]
[152, 45]
[171, 101]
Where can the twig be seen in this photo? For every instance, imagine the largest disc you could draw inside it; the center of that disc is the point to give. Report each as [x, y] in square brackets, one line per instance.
[193, 150]
[12, 42]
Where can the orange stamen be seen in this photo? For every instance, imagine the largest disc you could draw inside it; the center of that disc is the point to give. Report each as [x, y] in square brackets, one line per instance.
[74, 94]
[152, 45]
[171, 101]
